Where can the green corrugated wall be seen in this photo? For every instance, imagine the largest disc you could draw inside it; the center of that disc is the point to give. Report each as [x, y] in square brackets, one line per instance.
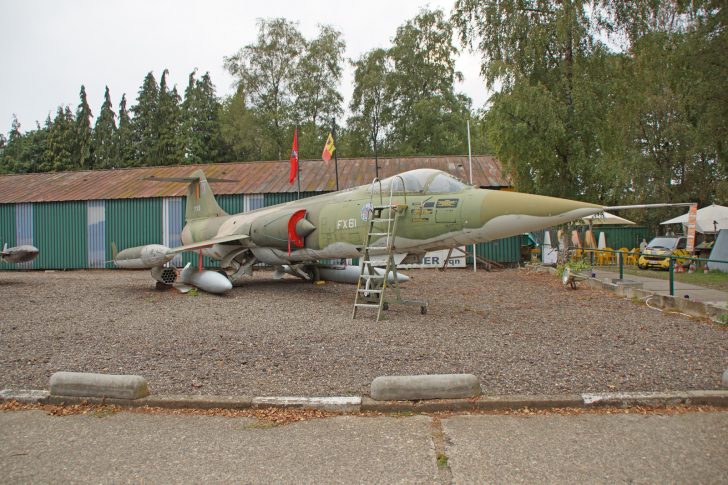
[59, 233]
[7, 229]
[506, 250]
[132, 222]
[623, 237]
[232, 204]
[273, 199]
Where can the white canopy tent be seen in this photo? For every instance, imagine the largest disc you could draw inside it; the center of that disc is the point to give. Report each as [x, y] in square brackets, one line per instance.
[709, 220]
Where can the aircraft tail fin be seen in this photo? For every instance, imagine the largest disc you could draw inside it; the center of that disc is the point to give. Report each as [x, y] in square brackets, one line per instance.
[201, 201]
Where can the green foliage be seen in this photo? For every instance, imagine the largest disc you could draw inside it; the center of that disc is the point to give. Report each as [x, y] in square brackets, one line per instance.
[442, 460]
[82, 142]
[368, 104]
[640, 119]
[200, 121]
[103, 143]
[264, 72]
[60, 145]
[574, 266]
[144, 128]
[426, 114]
[124, 137]
[167, 148]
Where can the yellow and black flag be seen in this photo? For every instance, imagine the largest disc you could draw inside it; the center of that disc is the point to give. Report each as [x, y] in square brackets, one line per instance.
[329, 148]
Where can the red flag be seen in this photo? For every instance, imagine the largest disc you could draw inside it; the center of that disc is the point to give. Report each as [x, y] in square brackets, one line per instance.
[294, 157]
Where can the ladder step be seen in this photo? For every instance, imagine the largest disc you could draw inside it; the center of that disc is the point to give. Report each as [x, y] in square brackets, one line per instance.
[381, 220]
[372, 276]
[379, 234]
[368, 305]
[364, 290]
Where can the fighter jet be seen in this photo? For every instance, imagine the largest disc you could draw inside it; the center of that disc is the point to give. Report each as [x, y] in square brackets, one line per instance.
[18, 254]
[434, 209]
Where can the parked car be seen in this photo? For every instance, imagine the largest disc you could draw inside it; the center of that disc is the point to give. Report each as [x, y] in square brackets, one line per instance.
[658, 252]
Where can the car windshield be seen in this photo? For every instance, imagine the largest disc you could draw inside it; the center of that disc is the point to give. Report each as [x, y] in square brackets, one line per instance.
[663, 243]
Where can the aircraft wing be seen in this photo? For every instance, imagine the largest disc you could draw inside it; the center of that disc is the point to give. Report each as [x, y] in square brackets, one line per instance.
[207, 243]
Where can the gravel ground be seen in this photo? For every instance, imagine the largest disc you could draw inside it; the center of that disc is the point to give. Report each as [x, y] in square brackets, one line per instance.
[518, 331]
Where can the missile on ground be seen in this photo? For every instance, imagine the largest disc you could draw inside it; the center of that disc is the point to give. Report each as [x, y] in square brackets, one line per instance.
[144, 257]
[206, 280]
[350, 274]
[19, 254]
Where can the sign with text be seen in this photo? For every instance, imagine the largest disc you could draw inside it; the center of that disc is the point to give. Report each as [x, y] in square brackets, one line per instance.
[436, 259]
[692, 216]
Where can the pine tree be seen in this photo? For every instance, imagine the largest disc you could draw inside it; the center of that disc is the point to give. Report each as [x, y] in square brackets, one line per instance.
[124, 138]
[103, 145]
[168, 149]
[10, 160]
[145, 124]
[82, 151]
[61, 144]
[201, 125]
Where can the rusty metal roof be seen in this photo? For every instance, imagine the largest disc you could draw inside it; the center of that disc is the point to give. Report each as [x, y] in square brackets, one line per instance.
[251, 177]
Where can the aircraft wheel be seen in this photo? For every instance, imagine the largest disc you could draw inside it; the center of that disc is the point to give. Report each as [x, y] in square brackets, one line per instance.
[423, 310]
[385, 306]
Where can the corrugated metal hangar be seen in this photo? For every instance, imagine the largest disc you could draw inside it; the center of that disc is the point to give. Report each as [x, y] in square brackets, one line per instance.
[74, 217]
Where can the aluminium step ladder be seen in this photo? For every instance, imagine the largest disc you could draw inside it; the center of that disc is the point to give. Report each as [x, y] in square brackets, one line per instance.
[373, 283]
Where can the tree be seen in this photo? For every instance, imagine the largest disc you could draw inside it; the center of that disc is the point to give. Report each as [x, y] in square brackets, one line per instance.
[265, 73]
[83, 132]
[124, 142]
[10, 159]
[201, 124]
[61, 145]
[145, 123]
[169, 145]
[427, 116]
[574, 118]
[103, 144]
[315, 87]
[368, 104]
[545, 121]
[243, 135]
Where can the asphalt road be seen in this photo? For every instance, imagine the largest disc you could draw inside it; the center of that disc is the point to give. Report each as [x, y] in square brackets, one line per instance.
[148, 448]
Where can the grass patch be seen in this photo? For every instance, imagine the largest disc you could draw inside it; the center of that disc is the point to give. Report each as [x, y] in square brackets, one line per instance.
[262, 424]
[715, 279]
[441, 460]
[105, 412]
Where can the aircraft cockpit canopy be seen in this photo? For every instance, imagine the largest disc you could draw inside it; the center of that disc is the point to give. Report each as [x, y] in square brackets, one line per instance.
[422, 181]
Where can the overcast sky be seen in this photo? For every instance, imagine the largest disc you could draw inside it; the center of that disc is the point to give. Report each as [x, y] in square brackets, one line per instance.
[51, 47]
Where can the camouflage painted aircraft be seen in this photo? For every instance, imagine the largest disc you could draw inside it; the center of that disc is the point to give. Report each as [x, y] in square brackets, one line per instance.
[436, 211]
[18, 254]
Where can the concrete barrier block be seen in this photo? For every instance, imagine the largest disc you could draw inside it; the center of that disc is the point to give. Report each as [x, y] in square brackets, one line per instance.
[82, 384]
[436, 386]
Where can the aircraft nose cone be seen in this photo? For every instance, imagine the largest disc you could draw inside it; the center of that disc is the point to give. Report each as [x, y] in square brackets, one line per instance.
[505, 214]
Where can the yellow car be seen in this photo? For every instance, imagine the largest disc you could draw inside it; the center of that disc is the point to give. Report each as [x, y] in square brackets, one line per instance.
[658, 252]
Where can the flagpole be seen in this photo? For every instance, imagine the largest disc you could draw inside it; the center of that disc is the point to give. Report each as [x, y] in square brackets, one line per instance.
[336, 161]
[298, 169]
[470, 160]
